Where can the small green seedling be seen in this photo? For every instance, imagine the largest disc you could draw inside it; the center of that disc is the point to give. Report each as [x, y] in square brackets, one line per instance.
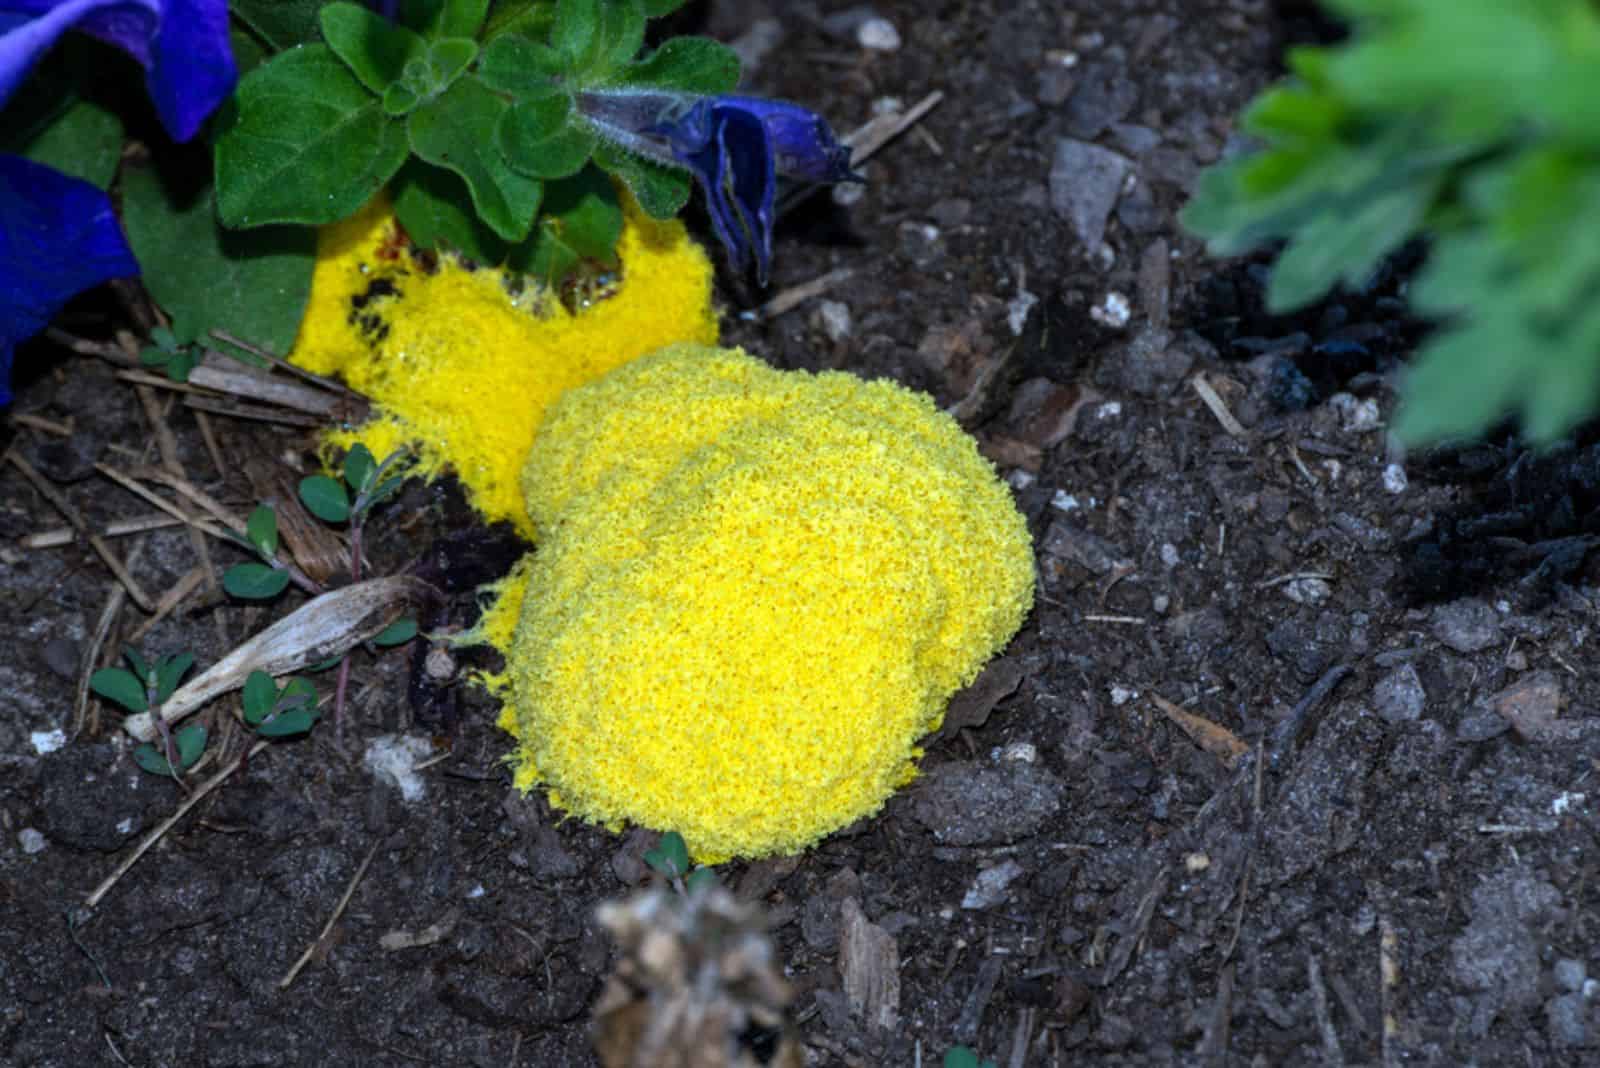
[168, 356]
[274, 711]
[962, 1057]
[330, 499]
[670, 860]
[146, 688]
[258, 581]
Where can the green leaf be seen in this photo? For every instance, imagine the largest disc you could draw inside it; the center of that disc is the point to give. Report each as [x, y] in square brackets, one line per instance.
[456, 131]
[686, 64]
[254, 582]
[297, 692]
[327, 665]
[325, 498]
[670, 857]
[170, 673]
[544, 138]
[661, 191]
[524, 18]
[120, 686]
[262, 530]
[359, 468]
[291, 721]
[434, 206]
[448, 58]
[375, 49]
[303, 142]
[253, 284]
[701, 880]
[397, 633]
[190, 742]
[960, 1057]
[581, 221]
[595, 37]
[383, 490]
[84, 140]
[400, 99]
[141, 666]
[259, 696]
[280, 24]
[249, 50]
[656, 8]
[444, 18]
[514, 64]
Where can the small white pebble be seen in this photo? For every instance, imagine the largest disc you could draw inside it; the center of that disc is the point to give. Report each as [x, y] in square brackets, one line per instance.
[476, 892]
[1394, 479]
[1108, 410]
[1566, 802]
[1063, 501]
[887, 105]
[1195, 863]
[1062, 57]
[834, 316]
[1016, 753]
[878, 34]
[1160, 603]
[1020, 479]
[48, 741]
[1334, 469]
[1357, 416]
[1169, 554]
[126, 825]
[1114, 310]
[1017, 311]
[31, 841]
[1312, 591]
[846, 194]
[989, 888]
[1121, 695]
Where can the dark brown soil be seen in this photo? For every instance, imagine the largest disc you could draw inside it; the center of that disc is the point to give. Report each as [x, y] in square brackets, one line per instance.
[1398, 867]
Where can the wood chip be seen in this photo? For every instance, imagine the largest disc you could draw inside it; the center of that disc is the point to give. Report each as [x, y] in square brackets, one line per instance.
[1216, 740]
[869, 961]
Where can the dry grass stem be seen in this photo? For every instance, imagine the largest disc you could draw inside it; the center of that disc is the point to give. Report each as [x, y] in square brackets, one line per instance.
[327, 928]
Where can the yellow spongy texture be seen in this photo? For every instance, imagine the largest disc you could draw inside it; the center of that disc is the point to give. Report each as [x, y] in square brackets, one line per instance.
[754, 591]
[464, 371]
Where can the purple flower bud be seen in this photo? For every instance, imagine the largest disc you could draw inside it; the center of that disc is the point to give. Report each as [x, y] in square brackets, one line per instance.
[736, 147]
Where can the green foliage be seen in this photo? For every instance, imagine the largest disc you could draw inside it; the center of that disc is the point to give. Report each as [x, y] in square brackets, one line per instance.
[397, 633]
[144, 687]
[962, 1057]
[670, 857]
[456, 106]
[188, 742]
[1473, 122]
[255, 582]
[274, 711]
[168, 356]
[325, 499]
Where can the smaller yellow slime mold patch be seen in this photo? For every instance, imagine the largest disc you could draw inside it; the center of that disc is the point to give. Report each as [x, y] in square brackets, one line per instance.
[754, 591]
[460, 368]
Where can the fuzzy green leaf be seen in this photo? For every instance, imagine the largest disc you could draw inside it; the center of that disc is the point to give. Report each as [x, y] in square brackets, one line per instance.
[254, 582]
[444, 18]
[297, 692]
[190, 741]
[325, 498]
[686, 64]
[120, 686]
[456, 131]
[543, 138]
[519, 66]
[581, 221]
[435, 208]
[303, 142]
[375, 49]
[281, 24]
[661, 191]
[141, 666]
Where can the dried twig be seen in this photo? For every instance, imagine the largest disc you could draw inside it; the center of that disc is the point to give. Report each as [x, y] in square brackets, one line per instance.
[344, 902]
[170, 600]
[121, 528]
[167, 824]
[1219, 408]
[795, 295]
[72, 515]
[167, 444]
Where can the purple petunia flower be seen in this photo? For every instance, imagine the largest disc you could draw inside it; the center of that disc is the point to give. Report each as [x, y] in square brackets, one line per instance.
[58, 237]
[182, 45]
[736, 147]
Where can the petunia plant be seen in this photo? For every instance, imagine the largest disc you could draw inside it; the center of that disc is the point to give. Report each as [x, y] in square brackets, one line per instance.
[501, 129]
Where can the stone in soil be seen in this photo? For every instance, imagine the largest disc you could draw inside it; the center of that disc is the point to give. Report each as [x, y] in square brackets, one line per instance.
[970, 804]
